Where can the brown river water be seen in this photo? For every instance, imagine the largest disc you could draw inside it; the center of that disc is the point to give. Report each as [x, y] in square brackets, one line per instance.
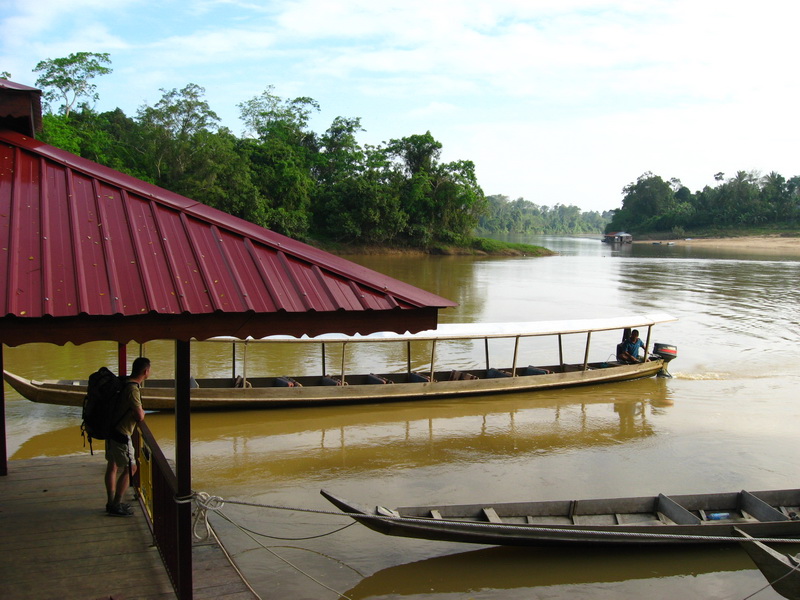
[727, 421]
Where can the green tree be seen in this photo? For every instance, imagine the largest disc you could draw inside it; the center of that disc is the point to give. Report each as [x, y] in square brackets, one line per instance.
[68, 79]
[170, 135]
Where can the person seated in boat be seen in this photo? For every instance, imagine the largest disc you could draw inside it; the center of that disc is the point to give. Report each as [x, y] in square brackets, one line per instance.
[628, 350]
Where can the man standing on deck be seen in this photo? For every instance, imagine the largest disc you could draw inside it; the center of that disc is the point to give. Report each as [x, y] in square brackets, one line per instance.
[119, 449]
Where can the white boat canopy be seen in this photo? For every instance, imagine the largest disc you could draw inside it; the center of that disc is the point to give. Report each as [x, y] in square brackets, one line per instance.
[456, 331]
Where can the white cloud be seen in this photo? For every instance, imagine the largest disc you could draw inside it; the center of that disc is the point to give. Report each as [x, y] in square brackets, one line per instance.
[563, 99]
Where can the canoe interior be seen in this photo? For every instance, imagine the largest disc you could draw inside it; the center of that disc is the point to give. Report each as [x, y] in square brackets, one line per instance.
[368, 378]
[733, 507]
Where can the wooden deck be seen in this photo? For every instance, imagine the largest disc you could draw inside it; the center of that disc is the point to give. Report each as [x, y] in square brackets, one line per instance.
[56, 541]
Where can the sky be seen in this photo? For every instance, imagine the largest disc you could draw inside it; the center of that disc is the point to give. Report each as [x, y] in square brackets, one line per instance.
[555, 101]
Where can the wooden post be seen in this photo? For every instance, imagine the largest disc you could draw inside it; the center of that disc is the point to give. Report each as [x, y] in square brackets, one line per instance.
[3, 447]
[516, 350]
[183, 468]
[122, 359]
[433, 358]
[586, 356]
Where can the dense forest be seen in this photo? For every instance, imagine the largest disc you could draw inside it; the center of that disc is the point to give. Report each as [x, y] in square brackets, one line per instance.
[745, 201]
[279, 173]
[522, 216]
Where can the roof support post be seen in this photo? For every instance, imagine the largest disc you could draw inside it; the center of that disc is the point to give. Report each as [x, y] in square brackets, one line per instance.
[122, 358]
[3, 448]
[183, 467]
[586, 356]
[433, 359]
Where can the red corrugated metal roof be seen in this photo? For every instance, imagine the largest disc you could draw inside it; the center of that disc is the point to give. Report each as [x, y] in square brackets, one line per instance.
[80, 239]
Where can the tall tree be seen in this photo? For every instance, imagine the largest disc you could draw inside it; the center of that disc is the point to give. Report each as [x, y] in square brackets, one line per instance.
[68, 78]
[170, 134]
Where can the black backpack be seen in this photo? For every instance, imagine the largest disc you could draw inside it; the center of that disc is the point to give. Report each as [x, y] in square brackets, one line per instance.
[103, 396]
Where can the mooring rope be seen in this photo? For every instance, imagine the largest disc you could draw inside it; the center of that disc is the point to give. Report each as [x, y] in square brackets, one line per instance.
[206, 503]
[214, 503]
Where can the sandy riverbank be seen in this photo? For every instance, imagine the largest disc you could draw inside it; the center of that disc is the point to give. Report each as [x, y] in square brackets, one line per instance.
[768, 243]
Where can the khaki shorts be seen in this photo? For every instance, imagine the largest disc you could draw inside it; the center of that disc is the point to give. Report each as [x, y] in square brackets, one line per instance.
[118, 453]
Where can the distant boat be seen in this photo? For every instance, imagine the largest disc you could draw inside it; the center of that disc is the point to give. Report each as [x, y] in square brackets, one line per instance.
[435, 381]
[618, 237]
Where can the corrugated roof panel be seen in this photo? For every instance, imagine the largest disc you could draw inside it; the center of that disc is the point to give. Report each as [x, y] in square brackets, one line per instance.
[90, 241]
[255, 284]
[25, 276]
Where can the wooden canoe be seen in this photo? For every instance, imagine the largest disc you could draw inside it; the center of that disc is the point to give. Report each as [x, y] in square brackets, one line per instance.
[782, 571]
[430, 382]
[683, 519]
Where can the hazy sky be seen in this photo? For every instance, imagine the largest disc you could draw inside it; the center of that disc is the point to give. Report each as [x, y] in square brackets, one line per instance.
[556, 101]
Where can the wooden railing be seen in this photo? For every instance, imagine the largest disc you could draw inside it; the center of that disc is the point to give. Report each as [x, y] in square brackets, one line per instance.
[157, 485]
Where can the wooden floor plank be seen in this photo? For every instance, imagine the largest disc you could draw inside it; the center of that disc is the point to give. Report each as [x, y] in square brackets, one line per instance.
[57, 541]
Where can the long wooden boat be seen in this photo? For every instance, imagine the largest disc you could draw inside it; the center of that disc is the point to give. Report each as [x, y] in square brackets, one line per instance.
[432, 381]
[684, 519]
[782, 571]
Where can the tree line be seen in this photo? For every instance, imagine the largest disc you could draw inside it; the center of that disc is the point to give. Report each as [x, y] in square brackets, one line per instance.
[523, 216]
[281, 174]
[746, 200]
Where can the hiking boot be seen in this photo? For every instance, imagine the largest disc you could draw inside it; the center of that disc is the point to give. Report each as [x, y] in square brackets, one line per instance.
[122, 504]
[120, 510]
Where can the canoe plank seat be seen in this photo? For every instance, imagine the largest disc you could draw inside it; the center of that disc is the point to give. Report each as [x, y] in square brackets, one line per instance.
[461, 376]
[536, 371]
[496, 374]
[491, 515]
[418, 378]
[759, 509]
[435, 514]
[326, 380]
[675, 512]
[377, 379]
[239, 382]
[286, 382]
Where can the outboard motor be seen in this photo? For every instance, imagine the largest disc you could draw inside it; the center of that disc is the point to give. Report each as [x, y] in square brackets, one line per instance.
[667, 353]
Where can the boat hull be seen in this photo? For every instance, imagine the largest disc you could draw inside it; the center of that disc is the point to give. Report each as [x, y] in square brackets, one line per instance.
[220, 394]
[782, 571]
[622, 521]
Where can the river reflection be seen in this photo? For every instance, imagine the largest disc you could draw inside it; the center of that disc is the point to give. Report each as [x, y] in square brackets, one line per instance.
[727, 421]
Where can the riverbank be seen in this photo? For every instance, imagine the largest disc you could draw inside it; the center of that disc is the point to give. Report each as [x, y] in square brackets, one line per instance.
[478, 247]
[776, 244]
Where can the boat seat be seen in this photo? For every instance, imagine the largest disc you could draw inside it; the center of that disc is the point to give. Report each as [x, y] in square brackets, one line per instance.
[239, 382]
[496, 374]
[461, 376]
[491, 515]
[759, 509]
[536, 371]
[286, 382]
[418, 378]
[675, 512]
[377, 379]
[332, 381]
